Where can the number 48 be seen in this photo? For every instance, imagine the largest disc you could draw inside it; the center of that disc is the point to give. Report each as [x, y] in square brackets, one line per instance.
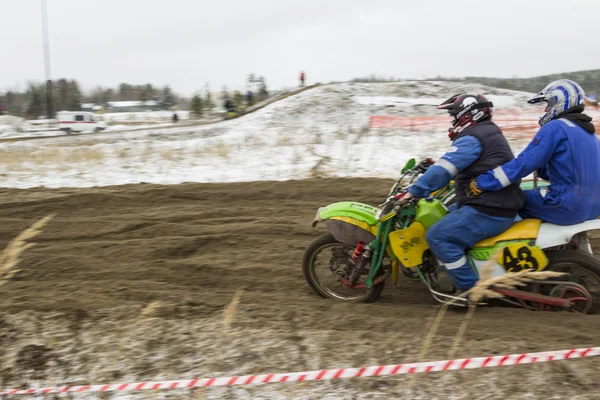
[523, 259]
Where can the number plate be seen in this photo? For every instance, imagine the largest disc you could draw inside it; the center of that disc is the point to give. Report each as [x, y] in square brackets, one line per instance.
[409, 244]
[518, 256]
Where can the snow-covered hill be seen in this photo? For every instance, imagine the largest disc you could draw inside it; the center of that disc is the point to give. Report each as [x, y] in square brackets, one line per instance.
[319, 132]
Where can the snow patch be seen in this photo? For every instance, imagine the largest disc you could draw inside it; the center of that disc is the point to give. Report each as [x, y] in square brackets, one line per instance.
[319, 132]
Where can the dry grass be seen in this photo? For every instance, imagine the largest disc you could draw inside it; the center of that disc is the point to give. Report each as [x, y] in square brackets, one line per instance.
[284, 141]
[147, 152]
[257, 142]
[148, 313]
[362, 132]
[217, 149]
[123, 153]
[50, 156]
[483, 289]
[432, 331]
[199, 152]
[222, 150]
[296, 157]
[10, 257]
[316, 170]
[171, 154]
[339, 134]
[230, 310]
[138, 123]
[461, 330]
[511, 280]
[199, 393]
[92, 156]
[45, 157]
[486, 274]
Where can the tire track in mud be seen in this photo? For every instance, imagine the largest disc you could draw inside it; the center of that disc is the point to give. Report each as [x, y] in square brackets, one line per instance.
[216, 236]
[112, 250]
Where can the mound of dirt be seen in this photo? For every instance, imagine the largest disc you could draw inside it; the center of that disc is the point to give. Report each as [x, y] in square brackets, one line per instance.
[130, 283]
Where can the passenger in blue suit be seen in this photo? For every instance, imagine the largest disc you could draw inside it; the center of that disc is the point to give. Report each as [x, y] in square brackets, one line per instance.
[478, 145]
[565, 152]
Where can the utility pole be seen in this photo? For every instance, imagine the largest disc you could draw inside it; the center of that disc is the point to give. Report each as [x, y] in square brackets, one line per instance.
[49, 91]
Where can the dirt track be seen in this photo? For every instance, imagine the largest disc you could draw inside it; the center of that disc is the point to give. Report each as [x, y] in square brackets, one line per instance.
[72, 314]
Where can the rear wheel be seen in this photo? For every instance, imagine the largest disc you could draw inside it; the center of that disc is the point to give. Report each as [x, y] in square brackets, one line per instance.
[325, 262]
[582, 268]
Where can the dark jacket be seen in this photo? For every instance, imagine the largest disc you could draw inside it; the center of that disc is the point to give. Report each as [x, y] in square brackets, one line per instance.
[495, 152]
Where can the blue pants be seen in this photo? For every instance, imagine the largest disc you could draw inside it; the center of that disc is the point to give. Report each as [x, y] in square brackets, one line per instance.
[561, 208]
[459, 231]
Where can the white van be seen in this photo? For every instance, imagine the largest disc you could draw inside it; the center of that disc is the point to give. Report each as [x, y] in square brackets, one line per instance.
[79, 121]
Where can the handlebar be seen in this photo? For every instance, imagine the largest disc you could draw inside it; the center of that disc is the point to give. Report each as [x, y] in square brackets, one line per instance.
[413, 173]
[418, 169]
[425, 164]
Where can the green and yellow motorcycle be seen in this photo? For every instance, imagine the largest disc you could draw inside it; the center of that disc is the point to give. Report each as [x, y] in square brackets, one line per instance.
[366, 247]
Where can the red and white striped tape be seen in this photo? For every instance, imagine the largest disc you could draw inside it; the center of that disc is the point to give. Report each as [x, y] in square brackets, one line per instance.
[325, 374]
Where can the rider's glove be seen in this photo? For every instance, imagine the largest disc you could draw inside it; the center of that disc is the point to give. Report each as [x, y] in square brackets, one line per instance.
[403, 199]
[423, 165]
[473, 190]
[394, 201]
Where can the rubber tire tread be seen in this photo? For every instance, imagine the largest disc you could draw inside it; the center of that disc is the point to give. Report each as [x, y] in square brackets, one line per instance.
[328, 238]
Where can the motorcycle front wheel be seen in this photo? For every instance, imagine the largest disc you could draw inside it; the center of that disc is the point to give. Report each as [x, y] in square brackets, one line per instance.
[325, 262]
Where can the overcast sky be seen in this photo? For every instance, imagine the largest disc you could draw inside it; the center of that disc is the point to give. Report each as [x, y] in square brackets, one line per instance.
[186, 43]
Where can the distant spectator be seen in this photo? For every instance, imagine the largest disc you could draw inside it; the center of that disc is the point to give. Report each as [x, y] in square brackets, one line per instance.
[249, 98]
[302, 78]
[229, 106]
[175, 118]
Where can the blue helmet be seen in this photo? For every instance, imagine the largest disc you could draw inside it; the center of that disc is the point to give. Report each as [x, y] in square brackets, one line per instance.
[562, 96]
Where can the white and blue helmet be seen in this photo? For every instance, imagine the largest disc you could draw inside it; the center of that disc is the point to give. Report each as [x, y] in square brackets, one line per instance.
[562, 95]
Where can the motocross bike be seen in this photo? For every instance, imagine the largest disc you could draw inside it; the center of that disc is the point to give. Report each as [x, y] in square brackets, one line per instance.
[365, 247]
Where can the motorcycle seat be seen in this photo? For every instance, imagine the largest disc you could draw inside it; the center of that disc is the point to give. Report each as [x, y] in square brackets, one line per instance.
[522, 230]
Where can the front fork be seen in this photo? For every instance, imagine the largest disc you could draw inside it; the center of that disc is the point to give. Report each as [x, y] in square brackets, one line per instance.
[377, 251]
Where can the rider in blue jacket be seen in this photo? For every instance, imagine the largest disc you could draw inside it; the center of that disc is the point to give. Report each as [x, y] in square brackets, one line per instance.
[565, 152]
[477, 146]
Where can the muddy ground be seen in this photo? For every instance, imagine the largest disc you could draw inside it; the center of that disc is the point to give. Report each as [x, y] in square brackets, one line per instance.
[72, 314]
